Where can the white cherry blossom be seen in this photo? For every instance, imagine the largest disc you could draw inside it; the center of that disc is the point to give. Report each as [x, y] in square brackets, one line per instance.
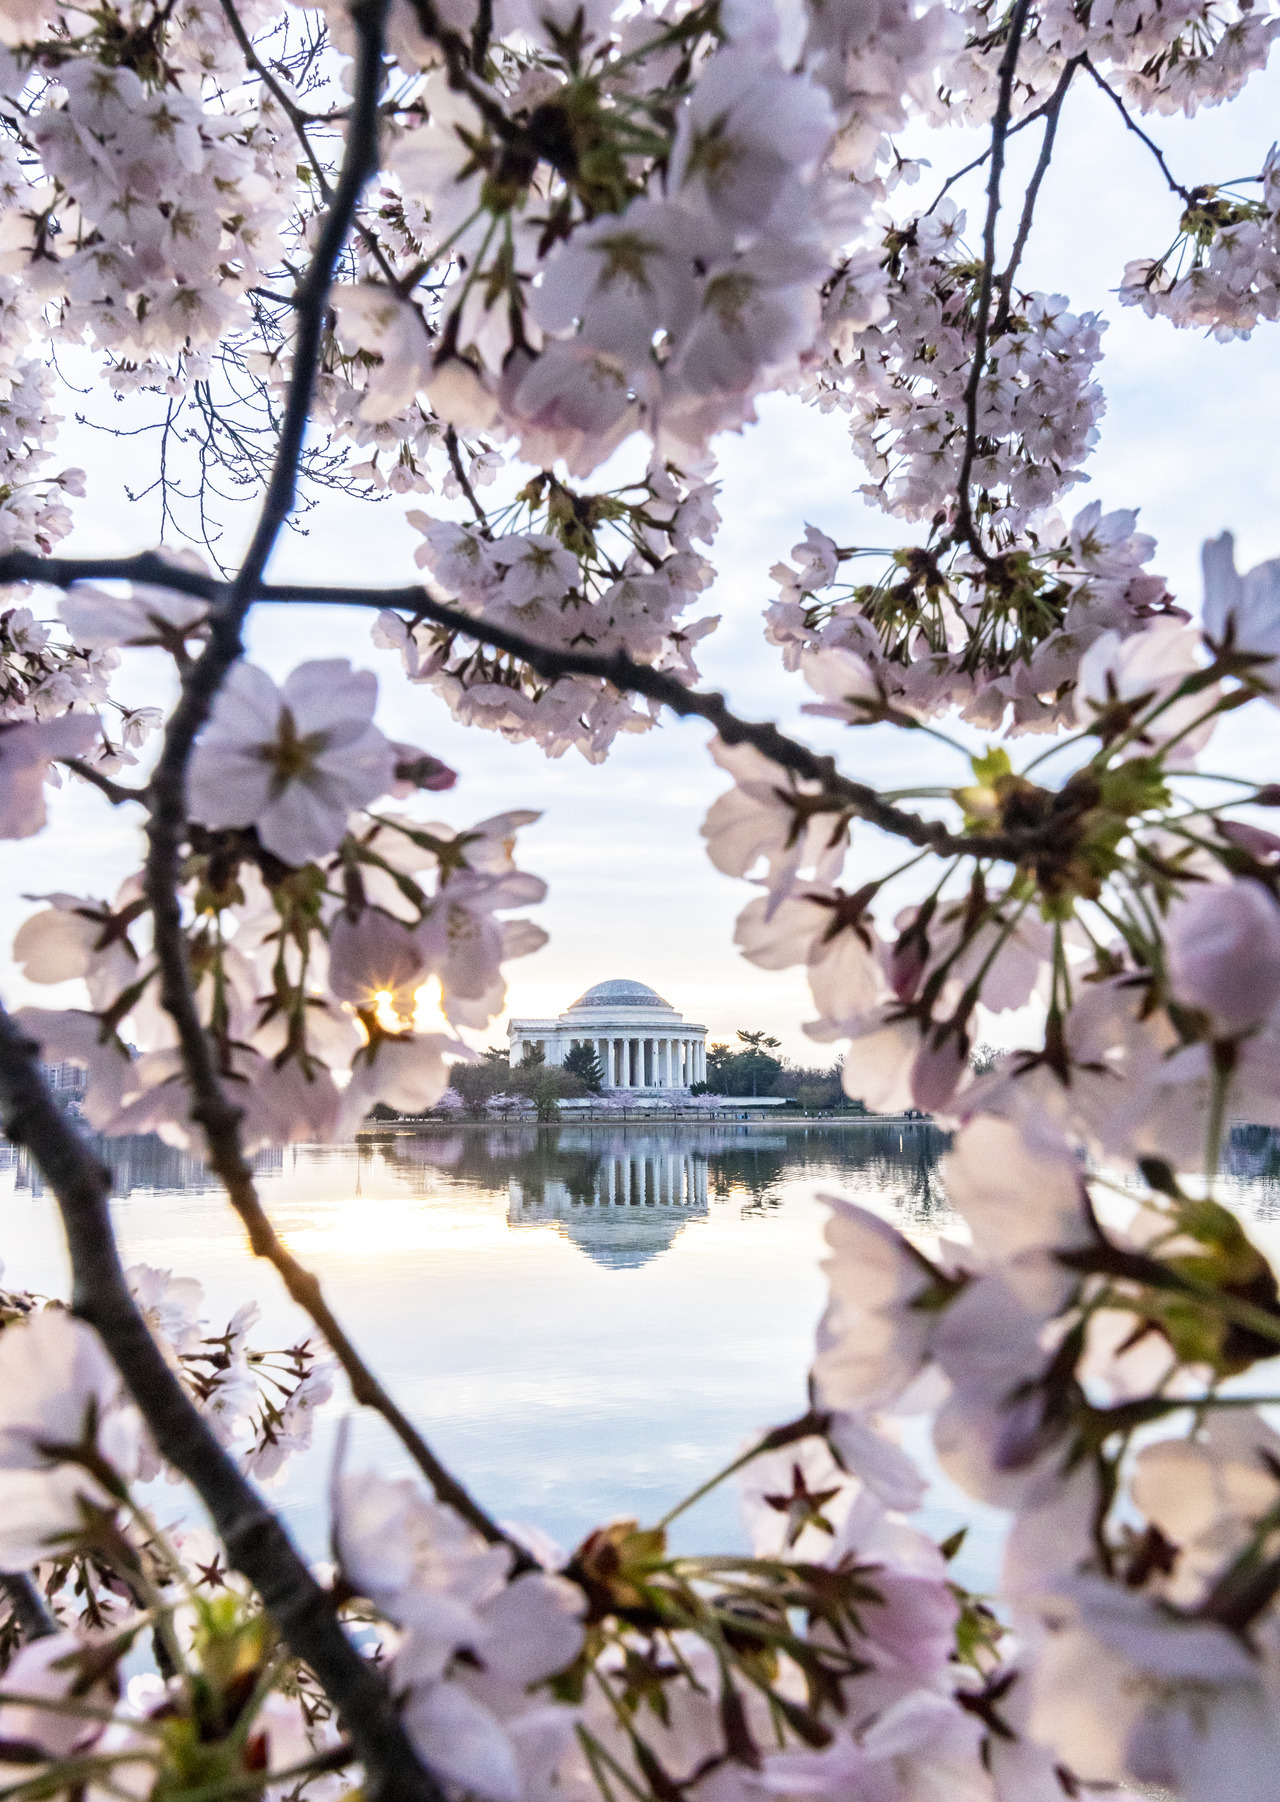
[291, 761]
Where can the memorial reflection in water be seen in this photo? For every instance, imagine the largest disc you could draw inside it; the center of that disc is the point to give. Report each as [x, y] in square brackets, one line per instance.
[627, 1202]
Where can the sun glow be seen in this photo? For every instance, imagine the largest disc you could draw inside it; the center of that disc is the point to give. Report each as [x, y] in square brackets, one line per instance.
[428, 1016]
[385, 1014]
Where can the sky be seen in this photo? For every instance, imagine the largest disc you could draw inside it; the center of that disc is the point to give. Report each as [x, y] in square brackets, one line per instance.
[1189, 437]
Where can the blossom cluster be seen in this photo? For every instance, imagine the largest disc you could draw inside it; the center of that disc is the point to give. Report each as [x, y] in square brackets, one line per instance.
[1141, 1652]
[1164, 59]
[999, 642]
[312, 923]
[904, 376]
[616, 582]
[590, 239]
[1222, 272]
[1146, 1033]
[513, 1683]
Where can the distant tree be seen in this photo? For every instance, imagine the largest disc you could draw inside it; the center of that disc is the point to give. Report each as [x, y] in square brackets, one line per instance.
[533, 1056]
[479, 1083]
[812, 1088]
[546, 1085]
[583, 1062]
[717, 1058]
[497, 1054]
[754, 1063]
[983, 1059]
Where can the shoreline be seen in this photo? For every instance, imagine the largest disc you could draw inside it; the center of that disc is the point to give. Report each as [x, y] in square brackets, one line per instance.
[412, 1128]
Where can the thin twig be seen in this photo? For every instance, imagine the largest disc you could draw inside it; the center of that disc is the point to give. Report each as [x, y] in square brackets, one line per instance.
[965, 531]
[1152, 146]
[1026, 119]
[299, 120]
[1052, 113]
[463, 481]
[256, 1542]
[116, 792]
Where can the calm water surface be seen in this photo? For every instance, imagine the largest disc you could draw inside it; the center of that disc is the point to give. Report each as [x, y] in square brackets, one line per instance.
[586, 1321]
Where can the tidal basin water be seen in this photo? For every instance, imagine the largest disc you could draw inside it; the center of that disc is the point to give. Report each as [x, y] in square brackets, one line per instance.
[586, 1321]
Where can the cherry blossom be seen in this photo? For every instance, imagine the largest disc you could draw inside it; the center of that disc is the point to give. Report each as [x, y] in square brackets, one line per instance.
[58, 1390]
[291, 761]
[26, 753]
[1224, 954]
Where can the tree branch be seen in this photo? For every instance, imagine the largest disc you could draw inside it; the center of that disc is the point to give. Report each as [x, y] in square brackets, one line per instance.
[1026, 119]
[299, 120]
[116, 792]
[216, 1114]
[966, 531]
[1152, 146]
[304, 1288]
[463, 481]
[147, 566]
[613, 666]
[256, 1543]
[1052, 111]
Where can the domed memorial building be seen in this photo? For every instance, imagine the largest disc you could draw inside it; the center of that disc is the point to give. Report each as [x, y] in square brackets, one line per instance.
[640, 1039]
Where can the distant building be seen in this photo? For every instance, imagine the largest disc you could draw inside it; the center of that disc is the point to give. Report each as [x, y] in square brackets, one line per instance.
[640, 1039]
[66, 1078]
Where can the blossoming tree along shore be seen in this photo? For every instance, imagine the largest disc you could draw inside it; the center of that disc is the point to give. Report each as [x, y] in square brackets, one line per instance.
[404, 242]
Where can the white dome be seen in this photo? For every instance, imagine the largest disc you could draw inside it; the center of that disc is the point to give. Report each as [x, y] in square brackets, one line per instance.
[619, 992]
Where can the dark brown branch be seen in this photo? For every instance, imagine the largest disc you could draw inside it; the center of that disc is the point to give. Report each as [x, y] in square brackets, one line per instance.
[1052, 111]
[615, 666]
[966, 532]
[1175, 186]
[216, 1114]
[28, 1606]
[64, 572]
[304, 1288]
[641, 678]
[256, 1543]
[116, 792]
